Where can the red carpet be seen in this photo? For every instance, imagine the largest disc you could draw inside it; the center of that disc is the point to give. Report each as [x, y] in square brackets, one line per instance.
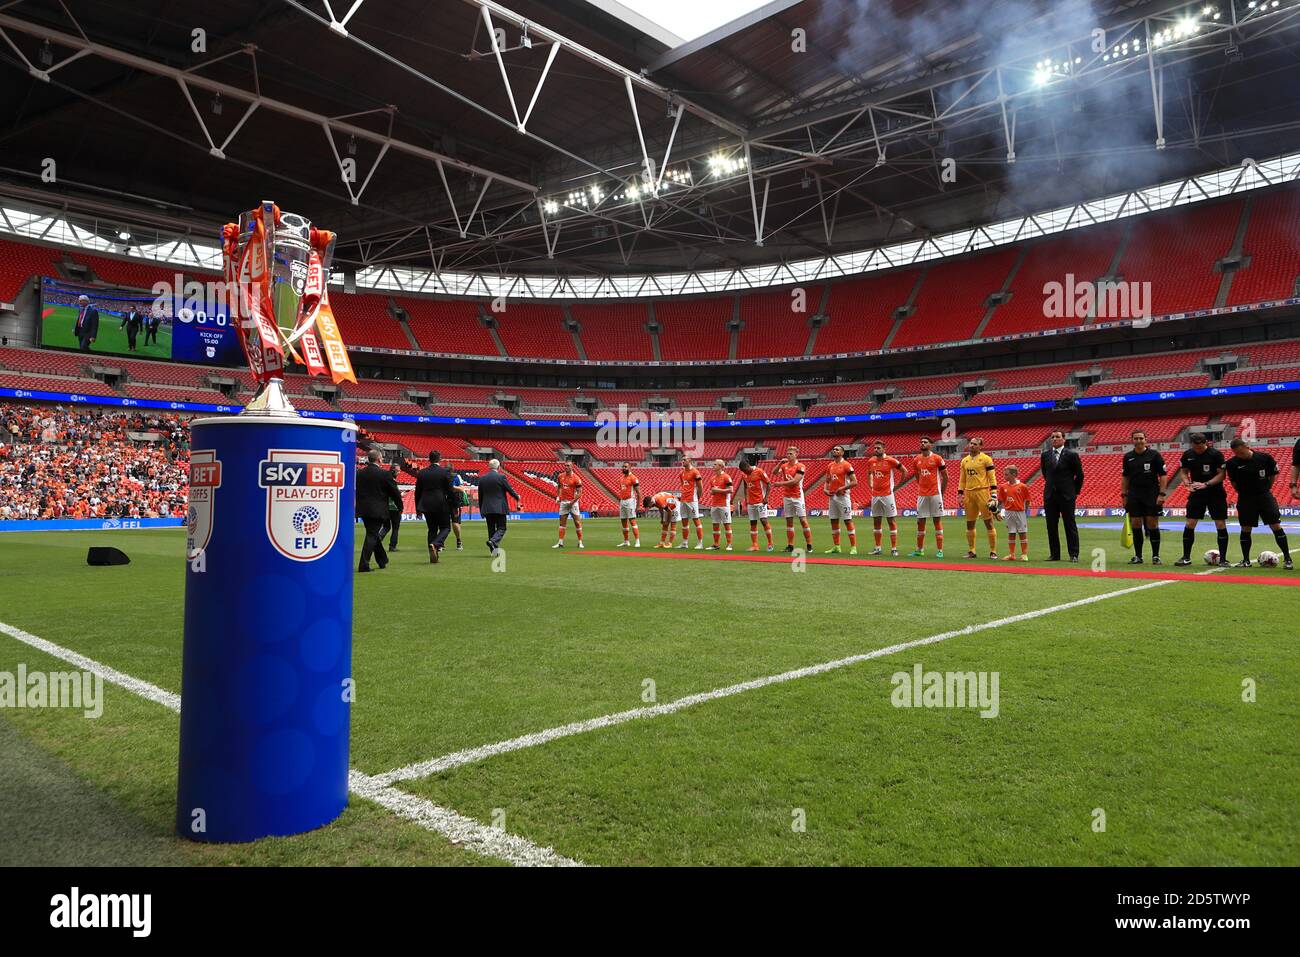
[1006, 568]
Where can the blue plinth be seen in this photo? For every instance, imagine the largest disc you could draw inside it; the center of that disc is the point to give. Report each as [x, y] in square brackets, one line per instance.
[266, 686]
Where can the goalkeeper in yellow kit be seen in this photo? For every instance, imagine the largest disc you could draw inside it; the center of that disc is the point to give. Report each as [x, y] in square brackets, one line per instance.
[977, 488]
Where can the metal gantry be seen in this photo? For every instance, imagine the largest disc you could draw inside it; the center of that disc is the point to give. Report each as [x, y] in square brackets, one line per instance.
[861, 125]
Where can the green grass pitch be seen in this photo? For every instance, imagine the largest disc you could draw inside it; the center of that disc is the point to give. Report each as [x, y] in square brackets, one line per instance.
[1130, 708]
[61, 320]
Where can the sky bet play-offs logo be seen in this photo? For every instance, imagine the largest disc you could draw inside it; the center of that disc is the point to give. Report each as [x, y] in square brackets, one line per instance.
[205, 479]
[302, 501]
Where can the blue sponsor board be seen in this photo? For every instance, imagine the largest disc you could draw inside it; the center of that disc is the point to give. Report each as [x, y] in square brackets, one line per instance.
[1212, 392]
[88, 524]
[1206, 393]
[266, 676]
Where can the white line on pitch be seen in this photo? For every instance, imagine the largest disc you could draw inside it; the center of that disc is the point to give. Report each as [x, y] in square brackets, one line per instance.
[423, 769]
[460, 830]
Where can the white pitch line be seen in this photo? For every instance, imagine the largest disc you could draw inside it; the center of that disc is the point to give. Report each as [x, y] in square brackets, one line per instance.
[137, 686]
[460, 830]
[423, 769]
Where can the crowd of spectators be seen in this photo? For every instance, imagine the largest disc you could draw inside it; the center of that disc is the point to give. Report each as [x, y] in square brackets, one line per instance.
[77, 462]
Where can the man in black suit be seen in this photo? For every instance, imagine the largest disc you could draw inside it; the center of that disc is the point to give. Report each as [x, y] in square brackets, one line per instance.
[435, 498]
[375, 489]
[132, 322]
[86, 328]
[1062, 482]
[493, 487]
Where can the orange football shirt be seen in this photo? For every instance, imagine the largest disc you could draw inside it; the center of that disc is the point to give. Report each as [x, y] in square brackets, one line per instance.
[688, 483]
[665, 501]
[720, 489]
[627, 485]
[928, 468]
[754, 486]
[569, 486]
[881, 472]
[1015, 498]
[837, 476]
[788, 472]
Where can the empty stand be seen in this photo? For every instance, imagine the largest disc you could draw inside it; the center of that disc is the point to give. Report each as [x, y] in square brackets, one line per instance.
[19, 262]
[772, 329]
[953, 298]
[1176, 251]
[535, 330]
[861, 311]
[614, 330]
[694, 328]
[1154, 384]
[1085, 254]
[442, 325]
[1273, 245]
[364, 321]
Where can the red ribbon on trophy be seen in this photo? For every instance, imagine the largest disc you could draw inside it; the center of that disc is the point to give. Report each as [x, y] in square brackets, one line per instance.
[317, 314]
[275, 269]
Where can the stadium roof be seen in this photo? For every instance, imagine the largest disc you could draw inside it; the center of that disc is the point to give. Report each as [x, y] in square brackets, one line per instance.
[516, 139]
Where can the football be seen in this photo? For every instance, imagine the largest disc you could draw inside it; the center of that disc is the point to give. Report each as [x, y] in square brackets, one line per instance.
[1269, 559]
[1212, 557]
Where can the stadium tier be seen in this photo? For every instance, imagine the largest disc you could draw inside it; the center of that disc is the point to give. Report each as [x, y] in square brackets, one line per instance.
[447, 326]
[364, 320]
[1273, 246]
[1156, 372]
[1175, 252]
[535, 331]
[860, 312]
[770, 325]
[694, 328]
[1084, 254]
[19, 262]
[614, 330]
[954, 298]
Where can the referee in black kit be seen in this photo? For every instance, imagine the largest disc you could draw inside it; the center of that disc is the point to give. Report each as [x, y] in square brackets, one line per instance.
[1203, 470]
[1252, 474]
[1143, 486]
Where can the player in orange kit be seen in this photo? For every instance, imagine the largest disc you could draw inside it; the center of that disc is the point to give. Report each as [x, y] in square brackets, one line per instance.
[569, 488]
[720, 485]
[838, 486]
[755, 484]
[628, 486]
[788, 477]
[881, 469]
[669, 516]
[688, 502]
[931, 482]
[1013, 495]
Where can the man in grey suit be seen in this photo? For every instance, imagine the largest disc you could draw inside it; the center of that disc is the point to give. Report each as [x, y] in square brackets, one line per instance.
[493, 487]
[1062, 482]
[435, 497]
